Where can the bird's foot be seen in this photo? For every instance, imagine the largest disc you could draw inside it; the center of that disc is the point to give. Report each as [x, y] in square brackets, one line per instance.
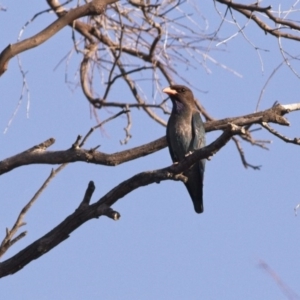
[189, 153]
[210, 157]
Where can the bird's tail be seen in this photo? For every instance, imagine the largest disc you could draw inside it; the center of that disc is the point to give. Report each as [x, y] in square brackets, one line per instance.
[194, 186]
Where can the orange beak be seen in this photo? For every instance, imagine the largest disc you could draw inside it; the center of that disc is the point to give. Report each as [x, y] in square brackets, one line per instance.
[169, 91]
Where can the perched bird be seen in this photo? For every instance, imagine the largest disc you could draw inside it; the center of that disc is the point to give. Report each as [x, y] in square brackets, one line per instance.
[185, 134]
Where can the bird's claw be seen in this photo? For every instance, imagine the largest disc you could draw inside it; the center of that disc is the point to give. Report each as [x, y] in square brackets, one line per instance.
[189, 153]
[210, 157]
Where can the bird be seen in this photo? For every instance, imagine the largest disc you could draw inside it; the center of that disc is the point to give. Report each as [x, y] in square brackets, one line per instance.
[185, 134]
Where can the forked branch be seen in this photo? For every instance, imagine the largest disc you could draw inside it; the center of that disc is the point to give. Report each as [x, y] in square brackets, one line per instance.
[38, 155]
[87, 211]
[94, 7]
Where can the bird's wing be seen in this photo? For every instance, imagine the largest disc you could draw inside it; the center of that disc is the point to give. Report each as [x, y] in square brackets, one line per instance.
[198, 137]
[198, 131]
[170, 144]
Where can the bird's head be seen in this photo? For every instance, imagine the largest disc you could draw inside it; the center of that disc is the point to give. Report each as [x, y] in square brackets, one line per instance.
[181, 94]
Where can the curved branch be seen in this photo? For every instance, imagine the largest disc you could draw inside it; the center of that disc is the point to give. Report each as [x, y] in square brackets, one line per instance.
[248, 12]
[93, 8]
[38, 155]
[74, 154]
[86, 212]
[137, 39]
[295, 140]
[253, 7]
[9, 239]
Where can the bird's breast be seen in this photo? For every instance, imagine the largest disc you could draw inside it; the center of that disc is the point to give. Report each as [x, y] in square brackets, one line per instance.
[180, 136]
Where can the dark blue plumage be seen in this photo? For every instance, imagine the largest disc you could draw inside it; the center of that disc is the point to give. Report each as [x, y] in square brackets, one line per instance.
[185, 133]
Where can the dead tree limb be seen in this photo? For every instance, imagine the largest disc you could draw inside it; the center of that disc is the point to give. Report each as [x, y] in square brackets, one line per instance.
[38, 155]
[94, 7]
[87, 211]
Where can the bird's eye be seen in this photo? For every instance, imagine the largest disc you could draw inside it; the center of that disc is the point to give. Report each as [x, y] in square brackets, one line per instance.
[182, 90]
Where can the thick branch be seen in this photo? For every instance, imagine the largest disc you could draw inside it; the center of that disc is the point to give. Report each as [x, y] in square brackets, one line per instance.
[273, 115]
[37, 155]
[76, 154]
[95, 7]
[87, 212]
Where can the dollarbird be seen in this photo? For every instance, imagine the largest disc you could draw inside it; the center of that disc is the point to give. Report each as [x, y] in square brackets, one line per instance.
[185, 134]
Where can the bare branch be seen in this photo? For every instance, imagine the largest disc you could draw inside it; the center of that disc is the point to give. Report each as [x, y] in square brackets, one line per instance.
[109, 212]
[242, 155]
[267, 82]
[87, 212]
[101, 124]
[291, 107]
[249, 12]
[77, 154]
[38, 155]
[87, 196]
[127, 128]
[8, 241]
[149, 41]
[295, 141]
[91, 8]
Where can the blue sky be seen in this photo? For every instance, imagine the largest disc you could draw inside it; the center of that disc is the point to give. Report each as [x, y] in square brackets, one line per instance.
[160, 248]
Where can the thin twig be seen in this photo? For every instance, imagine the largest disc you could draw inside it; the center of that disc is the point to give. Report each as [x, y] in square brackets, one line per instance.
[242, 155]
[295, 140]
[127, 128]
[8, 241]
[101, 124]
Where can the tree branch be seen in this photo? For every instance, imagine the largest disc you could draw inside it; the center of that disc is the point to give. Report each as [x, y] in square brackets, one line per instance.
[295, 140]
[249, 12]
[86, 211]
[8, 241]
[94, 7]
[77, 154]
[37, 155]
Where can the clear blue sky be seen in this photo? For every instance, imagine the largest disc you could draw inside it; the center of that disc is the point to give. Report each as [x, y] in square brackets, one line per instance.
[160, 248]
